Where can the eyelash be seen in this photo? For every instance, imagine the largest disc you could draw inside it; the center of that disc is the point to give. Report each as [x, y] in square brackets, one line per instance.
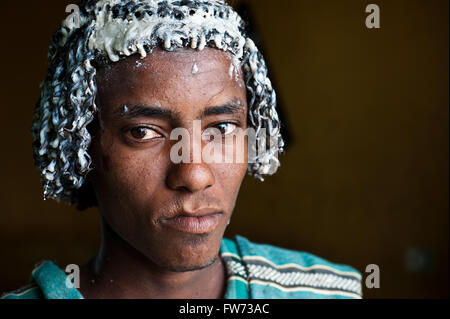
[227, 123]
[141, 140]
[129, 131]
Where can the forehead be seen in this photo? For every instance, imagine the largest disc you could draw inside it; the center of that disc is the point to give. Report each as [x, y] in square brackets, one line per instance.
[183, 79]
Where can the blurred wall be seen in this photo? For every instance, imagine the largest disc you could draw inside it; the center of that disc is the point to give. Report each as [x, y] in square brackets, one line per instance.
[364, 180]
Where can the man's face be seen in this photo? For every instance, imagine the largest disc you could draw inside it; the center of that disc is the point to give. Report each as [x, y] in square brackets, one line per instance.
[147, 199]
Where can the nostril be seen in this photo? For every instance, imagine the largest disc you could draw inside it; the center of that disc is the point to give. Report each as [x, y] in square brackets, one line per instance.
[190, 177]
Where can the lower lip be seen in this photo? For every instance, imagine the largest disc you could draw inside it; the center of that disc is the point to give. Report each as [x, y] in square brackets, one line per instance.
[193, 225]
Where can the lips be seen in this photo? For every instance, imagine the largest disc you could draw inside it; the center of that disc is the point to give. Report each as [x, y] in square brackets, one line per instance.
[199, 222]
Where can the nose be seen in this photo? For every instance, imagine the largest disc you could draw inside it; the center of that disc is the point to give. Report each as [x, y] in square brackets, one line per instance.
[195, 174]
[191, 177]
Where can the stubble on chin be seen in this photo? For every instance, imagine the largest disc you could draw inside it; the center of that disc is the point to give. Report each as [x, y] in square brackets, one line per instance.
[193, 242]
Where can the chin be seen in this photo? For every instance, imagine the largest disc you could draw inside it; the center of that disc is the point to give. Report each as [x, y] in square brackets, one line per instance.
[190, 253]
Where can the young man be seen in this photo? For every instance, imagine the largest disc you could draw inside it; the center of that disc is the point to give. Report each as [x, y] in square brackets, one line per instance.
[123, 86]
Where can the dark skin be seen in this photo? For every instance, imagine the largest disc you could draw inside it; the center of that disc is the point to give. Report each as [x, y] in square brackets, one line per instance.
[138, 186]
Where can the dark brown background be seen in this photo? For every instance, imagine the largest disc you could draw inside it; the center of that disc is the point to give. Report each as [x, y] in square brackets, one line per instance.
[365, 179]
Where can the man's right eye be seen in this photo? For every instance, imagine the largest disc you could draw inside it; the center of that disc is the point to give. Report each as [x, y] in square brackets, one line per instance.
[144, 133]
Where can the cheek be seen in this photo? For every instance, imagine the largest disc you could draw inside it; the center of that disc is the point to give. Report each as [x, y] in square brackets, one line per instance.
[106, 163]
[230, 176]
[128, 174]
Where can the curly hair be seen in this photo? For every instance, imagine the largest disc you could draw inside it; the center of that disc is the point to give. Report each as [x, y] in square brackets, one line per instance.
[112, 30]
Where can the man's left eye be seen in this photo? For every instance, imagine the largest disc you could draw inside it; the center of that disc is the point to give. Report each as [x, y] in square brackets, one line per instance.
[144, 133]
[226, 128]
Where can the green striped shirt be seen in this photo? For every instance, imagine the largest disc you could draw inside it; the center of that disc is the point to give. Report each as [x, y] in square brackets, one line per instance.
[254, 271]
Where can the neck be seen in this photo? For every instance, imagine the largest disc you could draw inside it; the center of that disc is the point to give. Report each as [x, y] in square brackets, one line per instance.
[119, 271]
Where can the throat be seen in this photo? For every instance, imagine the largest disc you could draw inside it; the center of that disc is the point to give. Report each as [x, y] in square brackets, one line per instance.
[119, 271]
[122, 280]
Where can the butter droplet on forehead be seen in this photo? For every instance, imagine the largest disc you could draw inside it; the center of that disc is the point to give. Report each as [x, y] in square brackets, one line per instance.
[195, 69]
[231, 70]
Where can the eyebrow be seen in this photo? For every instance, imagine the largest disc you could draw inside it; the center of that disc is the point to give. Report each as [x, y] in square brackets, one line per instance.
[129, 111]
[228, 108]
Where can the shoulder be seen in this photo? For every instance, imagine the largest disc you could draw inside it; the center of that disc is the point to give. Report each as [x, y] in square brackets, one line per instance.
[30, 291]
[47, 281]
[274, 272]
